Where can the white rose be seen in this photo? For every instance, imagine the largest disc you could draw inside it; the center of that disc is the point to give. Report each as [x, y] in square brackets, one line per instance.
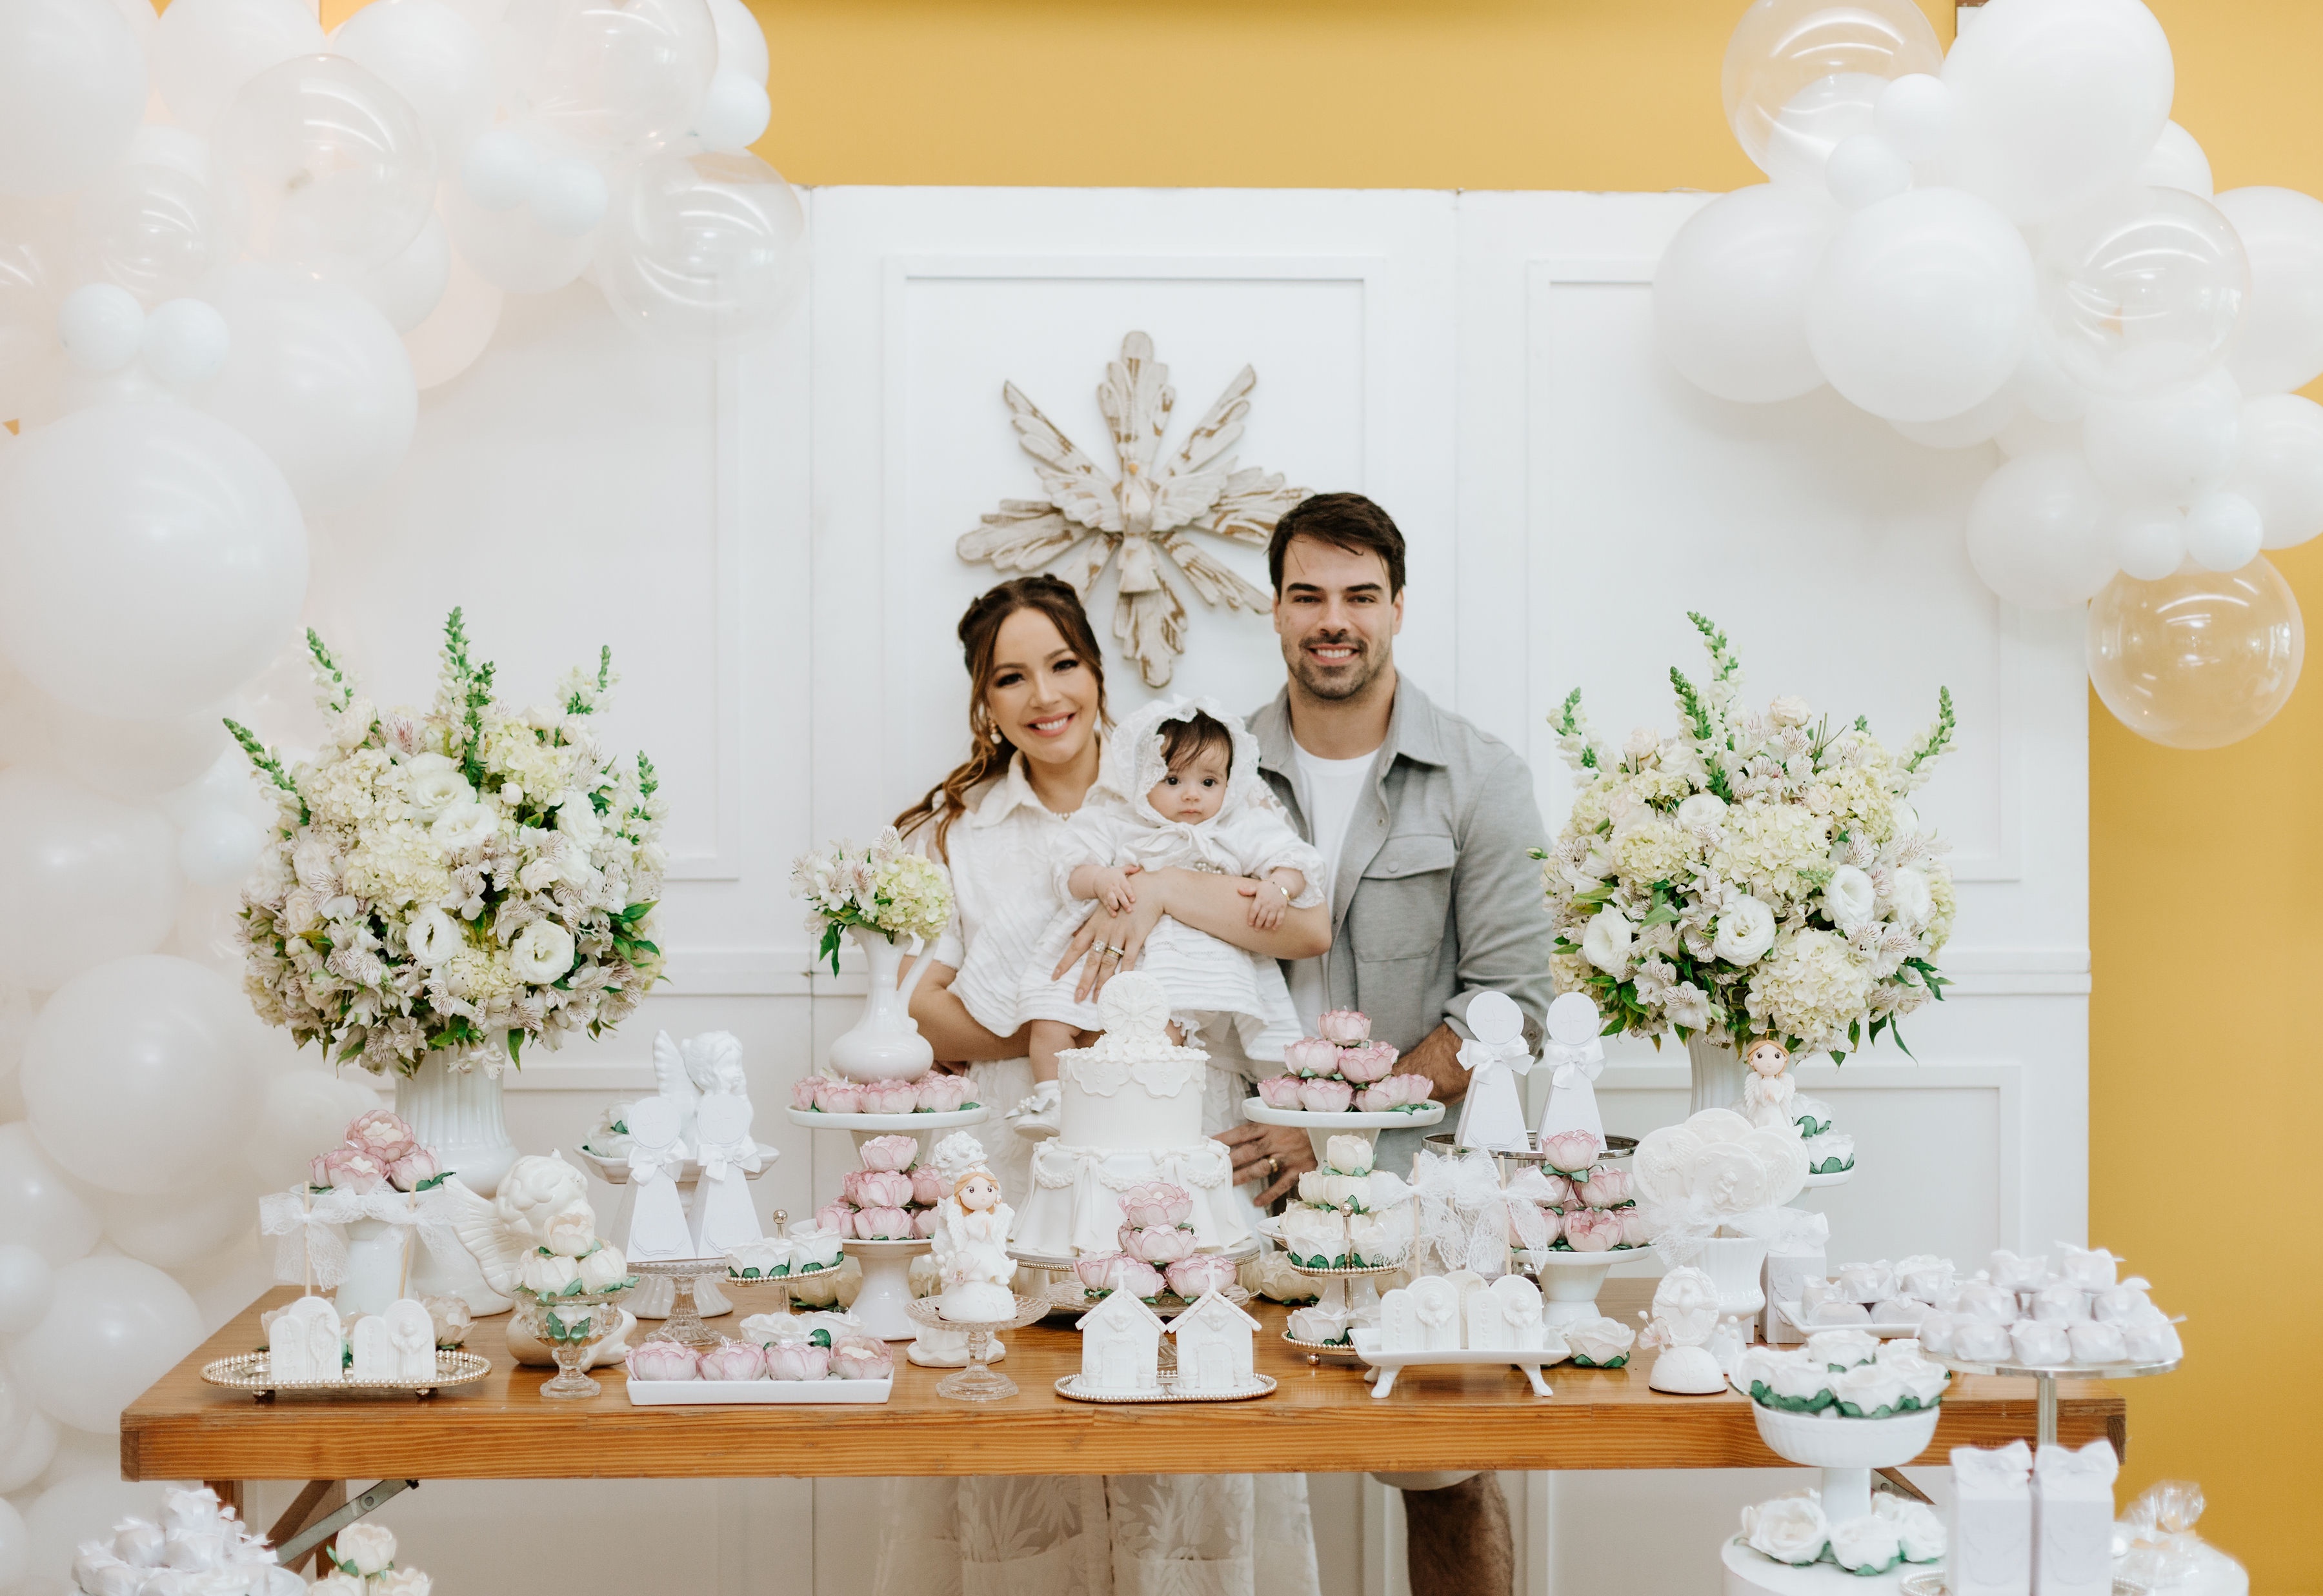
[433, 937]
[1788, 711]
[1349, 1155]
[1850, 900]
[547, 1274]
[1867, 1388]
[542, 952]
[1909, 894]
[1867, 1544]
[543, 872]
[1919, 1533]
[1312, 1232]
[436, 784]
[365, 1548]
[571, 1230]
[310, 861]
[1745, 931]
[1703, 808]
[1372, 1240]
[1797, 1379]
[1907, 821]
[401, 1581]
[1643, 741]
[1605, 941]
[1600, 1340]
[300, 913]
[1843, 1348]
[336, 1585]
[602, 1268]
[1789, 1530]
[576, 817]
[463, 824]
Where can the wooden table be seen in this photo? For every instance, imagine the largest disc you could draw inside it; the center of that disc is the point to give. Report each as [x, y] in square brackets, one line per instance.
[1321, 1417]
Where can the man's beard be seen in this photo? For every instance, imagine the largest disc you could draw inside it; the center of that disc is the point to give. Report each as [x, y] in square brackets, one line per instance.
[1334, 685]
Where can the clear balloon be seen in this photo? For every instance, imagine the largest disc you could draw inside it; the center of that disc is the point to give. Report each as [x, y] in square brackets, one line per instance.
[86, 879]
[2222, 531]
[38, 1207]
[316, 377]
[463, 321]
[72, 90]
[1730, 292]
[115, 1328]
[2279, 465]
[2034, 535]
[603, 77]
[2141, 289]
[101, 325]
[205, 51]
[33, 251]
[2282, 343]
[1864, 170]
[177, 1229]
[2176, 161]
[303, 1110]
[322, 166]
[2148, 541]
[150, 558]
[2166, 448]
[407, 287]
[1801, 75]
[149, 224]
[704, 252]
[2058, 101]
[509, 248]
[1921, 306]
[432, 56]
[185, 346]
[2199, 659]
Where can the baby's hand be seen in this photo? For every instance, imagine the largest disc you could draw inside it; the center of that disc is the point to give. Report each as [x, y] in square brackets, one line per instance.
[1112, 890]
[1266, 905]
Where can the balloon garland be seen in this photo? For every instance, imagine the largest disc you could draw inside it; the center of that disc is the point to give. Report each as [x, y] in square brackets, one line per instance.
[2012, 243]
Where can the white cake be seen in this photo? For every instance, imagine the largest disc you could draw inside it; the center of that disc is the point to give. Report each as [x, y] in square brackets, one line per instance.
[1129, 1112]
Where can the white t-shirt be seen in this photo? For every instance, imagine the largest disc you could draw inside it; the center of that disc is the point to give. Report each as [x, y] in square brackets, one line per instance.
[1329, 790]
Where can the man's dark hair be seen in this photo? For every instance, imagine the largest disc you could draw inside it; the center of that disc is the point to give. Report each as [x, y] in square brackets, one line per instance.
[1344, 520]
[1182, 739]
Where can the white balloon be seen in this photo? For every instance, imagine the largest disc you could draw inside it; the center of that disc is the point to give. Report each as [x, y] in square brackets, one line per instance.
[2168, 447]
[736, 111]
[137, 1075]
[1923, 305]
[28, 1283]
[72, 90]
[28, 1459]
[85, 879]
[16, 1545]
[1966, 429]
[225, 1284]
[150, 558]
[185, 346]
[741, 41]
[133, 759]
[449, 340]
[35, 247]
[316, 378]
[38, 1207]
[1915, 115]
[432, 56]
[1864, 170]
[2058, 100]
[116, 1326]
[218, 847]
[509, 249]
[2033, 533]
[408, 289]
[2047, 391]
[2281, 345]
[205, 51]
[2279, 465]
[303, 1111]
[607, 76]
[568, 196]
[178, 1228]
[2176, 161]
[2147, 541]
[149, 224]
[2141, 289]
[2222, 531]
[704, 251]
[16, 1023]
[1730, 292]
[496, 171]
[100, 326]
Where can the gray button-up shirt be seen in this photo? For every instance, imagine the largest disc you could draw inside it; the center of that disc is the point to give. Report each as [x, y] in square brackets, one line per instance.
[1437, 895]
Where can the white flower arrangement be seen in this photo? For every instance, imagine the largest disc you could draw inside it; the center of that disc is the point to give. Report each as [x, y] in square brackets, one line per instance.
[446, 878]
[886, 888]
[1757, 874]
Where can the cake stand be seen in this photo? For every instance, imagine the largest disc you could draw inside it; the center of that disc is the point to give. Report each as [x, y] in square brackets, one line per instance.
[1749, 1574]
[1355, 1291]
[867, 1125]
[885, 1303]
[1448, 1143]
[2046, 1377]
[1569, 1282]
[1847, 1449]
[1057, 1263]
[655, 1298]
[683, 1321]
[977, 1382]
[1321, 1127]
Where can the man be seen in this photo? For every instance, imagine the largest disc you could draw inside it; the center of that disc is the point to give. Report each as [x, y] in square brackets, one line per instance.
[1426, 826]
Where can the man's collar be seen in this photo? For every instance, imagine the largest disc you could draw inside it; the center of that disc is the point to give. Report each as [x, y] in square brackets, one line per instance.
[1414, 731]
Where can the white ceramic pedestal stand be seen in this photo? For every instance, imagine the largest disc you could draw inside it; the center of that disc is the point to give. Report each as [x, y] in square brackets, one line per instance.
[1321, 1127]
[655, 1295]
[1570, 1281]
[1847, 1451]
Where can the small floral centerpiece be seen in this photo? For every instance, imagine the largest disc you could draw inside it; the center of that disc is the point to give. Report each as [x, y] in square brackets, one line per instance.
[460, 878]
[379, 1153]
[885, 888]
[1759, 873]
[1600, 1342]
[1343, 1070]
[771, 1346]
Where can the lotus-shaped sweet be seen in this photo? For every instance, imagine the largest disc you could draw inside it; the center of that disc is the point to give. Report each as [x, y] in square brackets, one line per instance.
[1157, 1243]
[1135, 1277]
[1605, 1187]
[732, 1360]
[1591, 1230]
[1156, 1202]
[889, 1152]
[663, 1360]
[1190, 1277]
[838, 1096]
[1345, 1027]
[1279, 1091]
[883, 1224]
[942, 1093]
[798, 1361]
[859, 1357]
[802, 1092]
[876, 1189]
[1096, 1271]
[890, 1096]
[1367, 1063]
[1325, 1096]
[1570, 1153]
[1310, 1056]
[929, 1186]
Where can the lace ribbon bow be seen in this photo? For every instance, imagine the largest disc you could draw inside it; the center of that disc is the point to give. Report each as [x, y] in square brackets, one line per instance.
[311, 1238]
[428, 1214]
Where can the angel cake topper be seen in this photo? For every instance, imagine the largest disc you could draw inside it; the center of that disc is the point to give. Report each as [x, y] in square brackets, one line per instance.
[971, 1251]
[1768, 1089]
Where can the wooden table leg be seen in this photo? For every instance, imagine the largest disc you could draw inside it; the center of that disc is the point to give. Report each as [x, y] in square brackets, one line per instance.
[319, 1497]
[229, 1494]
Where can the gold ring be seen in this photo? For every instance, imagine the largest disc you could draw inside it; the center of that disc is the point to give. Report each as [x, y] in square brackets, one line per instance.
[1274, 1166]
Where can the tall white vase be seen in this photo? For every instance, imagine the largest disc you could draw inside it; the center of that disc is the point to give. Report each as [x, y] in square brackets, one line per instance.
[1718, 1072]
[457, 1113]
[886, 1043]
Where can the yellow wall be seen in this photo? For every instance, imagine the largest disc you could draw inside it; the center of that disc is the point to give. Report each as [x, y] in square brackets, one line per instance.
[2206, 907]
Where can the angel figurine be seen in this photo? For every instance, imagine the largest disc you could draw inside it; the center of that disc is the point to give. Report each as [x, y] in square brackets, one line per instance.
[1683, 1319]
[1767, 1091]
[971, 1251]
[1491, 1116]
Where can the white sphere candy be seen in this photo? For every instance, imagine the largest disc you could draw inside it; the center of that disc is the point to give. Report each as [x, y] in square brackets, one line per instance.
[1866, 169]
[101, 325]
[2222, 531]
[185, 344]
[497, 169]
[568, 196]
[1915, 114]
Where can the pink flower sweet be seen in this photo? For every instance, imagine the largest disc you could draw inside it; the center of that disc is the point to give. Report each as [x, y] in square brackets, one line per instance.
[889, 1152]
[1279, 1091]
[1569, 1152]
[802, 1092]
[1607, 1186]
[1157, 1202]
[890, 1096]
[1637, 1229]
[1556, 1219]
[1096, 1271]
[1377, 1099]
[875, 1189]
[732, 1360]
[838, 1096]
[859, 1357]
[1559, 1189]
[1370, 1062]
[883, 1224]
[1344, 1026]
[942, 1093]
[1156, 1243]
[663, 1360]
[836, 1217]
[346, 1168]
[1591, 1230]
[929, 1187]
[925, 1222]
[1416, 1088]
[1203, 1272]
[406, 1173]
[381, 1134]
[803, 1361]
[1325, 1096]
[1311, 1055]
[1135, 1277]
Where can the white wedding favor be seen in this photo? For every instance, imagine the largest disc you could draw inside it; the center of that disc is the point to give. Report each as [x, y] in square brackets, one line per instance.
[722, 1218]
[2072, 1520]
[303, 1342]
[1121, 1346]
[1684, 1317]
[1492, 1115]
[1992, 1522]
[1576, 1056]
[411, 1335]
[1505, 1316]
[658, 1223]
[1214, 1350]
[370, 1351]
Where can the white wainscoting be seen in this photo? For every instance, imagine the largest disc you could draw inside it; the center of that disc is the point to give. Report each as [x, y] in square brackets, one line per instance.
[769, 546]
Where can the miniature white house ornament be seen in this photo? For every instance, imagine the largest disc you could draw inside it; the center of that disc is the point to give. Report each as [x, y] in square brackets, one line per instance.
[1492, 1115]
[1576, 1056]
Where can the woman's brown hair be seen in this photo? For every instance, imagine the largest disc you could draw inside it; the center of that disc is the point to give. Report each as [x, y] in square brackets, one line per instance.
[979, 635]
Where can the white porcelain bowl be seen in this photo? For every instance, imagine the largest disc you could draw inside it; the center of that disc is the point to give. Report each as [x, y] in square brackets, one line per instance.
[1821, 1443]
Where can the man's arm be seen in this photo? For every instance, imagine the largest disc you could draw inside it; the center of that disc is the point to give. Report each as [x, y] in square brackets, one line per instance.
[1497, 910]
[1437, 1057]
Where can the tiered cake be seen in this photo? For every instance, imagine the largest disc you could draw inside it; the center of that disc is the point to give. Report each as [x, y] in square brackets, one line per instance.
[1130, 1113]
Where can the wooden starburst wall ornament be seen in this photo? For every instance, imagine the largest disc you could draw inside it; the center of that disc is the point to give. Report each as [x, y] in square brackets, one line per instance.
[1146, 517]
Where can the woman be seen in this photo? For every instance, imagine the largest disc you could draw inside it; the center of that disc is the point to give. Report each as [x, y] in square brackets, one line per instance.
[1036, 716]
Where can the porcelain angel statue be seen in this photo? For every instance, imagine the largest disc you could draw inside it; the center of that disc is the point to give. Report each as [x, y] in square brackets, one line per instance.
[1767, 1091]
[971, 1250]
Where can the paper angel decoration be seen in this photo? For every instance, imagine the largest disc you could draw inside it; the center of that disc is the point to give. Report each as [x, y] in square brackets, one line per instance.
[1492, 1115]
[1576, 1056]
[722, 1217]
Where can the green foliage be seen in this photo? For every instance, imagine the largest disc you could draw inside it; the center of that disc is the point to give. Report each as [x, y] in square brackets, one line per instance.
[340, 691]
[267, 763]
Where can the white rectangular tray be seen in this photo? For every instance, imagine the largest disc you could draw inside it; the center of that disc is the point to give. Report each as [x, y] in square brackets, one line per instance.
[705, 1393]
[1386, 1366]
